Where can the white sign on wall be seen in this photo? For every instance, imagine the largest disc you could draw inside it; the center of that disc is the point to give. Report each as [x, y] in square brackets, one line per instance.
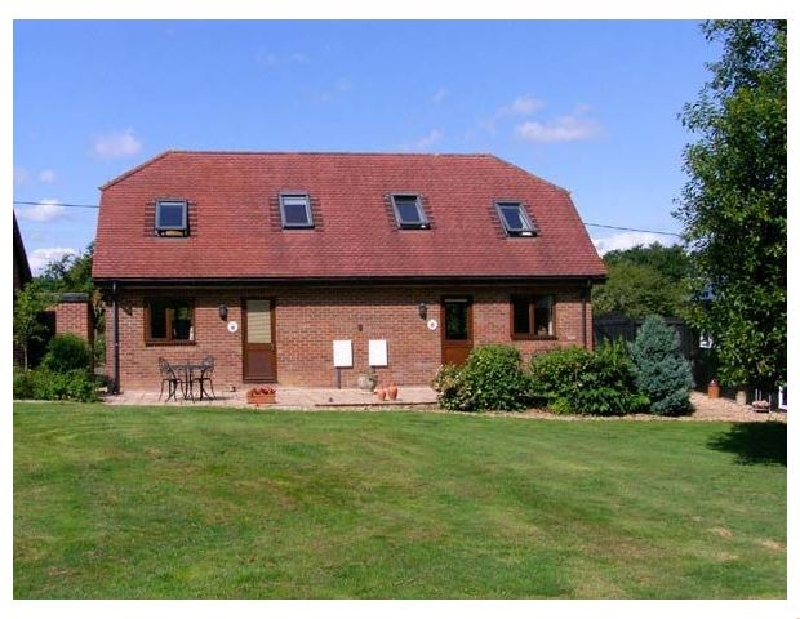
[377, 353]
[342, 354]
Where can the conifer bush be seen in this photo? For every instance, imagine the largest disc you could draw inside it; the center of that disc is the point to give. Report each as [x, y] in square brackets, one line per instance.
[662, 374]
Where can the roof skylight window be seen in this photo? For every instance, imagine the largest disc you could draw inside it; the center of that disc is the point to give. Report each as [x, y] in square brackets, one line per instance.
[172, 217]
[296, 211]
[408, 212]
[514, 219]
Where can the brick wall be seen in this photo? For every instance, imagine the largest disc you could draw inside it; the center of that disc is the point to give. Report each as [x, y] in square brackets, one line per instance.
[75, 317]
[308, 320]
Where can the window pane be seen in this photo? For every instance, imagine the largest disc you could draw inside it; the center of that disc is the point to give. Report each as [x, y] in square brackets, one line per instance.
[158, 320]
[522, 317]
[407, 210]
[171, 215]
[295, 214]
[259, 321]
[455, 321]
[543, 316]
[513, 217]
[181, 321]
[295, 211]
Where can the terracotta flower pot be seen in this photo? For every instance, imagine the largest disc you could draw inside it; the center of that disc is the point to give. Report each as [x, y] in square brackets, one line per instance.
[391, 391]
[381, 393]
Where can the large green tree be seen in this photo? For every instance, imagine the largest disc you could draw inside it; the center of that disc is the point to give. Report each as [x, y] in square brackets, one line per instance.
[734, 205]
[643, 281]
[29, 303]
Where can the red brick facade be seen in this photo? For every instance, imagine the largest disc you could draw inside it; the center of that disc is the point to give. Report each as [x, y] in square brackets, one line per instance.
[75, 317]
[307, 320]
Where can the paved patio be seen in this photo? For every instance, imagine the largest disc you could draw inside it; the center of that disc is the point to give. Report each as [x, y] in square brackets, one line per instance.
[292, 397]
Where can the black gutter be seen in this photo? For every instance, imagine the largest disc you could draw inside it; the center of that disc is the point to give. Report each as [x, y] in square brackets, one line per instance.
[587, 291]
[481, 280]
[116, 338]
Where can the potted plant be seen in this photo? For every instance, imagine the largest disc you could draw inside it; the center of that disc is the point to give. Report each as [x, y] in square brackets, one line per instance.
[261, 395]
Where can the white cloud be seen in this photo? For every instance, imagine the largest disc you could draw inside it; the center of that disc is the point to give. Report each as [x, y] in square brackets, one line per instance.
[429, 140]
[20, 176]
[524, 105]
[40, 258]
[571, 128]
[271, 59]
[47, 176]
[116, 144]
[627, 240]
[45, 210]
[440, 95]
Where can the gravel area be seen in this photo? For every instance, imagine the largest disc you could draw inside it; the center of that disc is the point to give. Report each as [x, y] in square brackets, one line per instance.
[705, 409]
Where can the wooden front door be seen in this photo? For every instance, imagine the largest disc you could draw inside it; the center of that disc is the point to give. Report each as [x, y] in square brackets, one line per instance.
[456, 330]
[258, 337]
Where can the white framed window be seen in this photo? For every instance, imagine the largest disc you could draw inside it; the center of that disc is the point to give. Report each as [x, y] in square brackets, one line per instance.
[514, 218]
[296, 210]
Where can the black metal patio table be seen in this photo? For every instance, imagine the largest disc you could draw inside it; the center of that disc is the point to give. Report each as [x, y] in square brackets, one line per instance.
[193, 371]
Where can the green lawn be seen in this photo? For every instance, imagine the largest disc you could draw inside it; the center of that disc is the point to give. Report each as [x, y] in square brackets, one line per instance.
[154, 502]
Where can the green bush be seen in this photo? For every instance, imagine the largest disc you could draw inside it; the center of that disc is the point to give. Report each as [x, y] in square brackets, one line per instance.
[454, 392]
[576, 380]
[23, 384]
[492, 379]
[67, 352]
[45, 384]
[661, 371]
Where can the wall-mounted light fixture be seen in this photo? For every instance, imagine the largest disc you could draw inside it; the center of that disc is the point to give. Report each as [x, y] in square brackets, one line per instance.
[423, 311]
[223, 312]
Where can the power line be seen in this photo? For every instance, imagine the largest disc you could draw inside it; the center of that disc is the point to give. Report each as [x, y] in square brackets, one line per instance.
[633, 229]
[56, 204]
[27, 203]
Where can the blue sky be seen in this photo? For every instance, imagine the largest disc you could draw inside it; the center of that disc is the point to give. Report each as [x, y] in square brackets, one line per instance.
[589, 105]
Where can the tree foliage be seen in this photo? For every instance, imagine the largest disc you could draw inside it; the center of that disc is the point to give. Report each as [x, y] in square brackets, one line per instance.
[734, 206]
[29, 302]
[644, 280]
[662, 374]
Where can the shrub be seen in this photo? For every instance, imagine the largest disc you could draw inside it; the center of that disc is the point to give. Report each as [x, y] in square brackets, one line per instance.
[45, 384]
[454, 393]
[492, 379]
[575, 380]
[67, 352]
[661, 371]
[23, 384]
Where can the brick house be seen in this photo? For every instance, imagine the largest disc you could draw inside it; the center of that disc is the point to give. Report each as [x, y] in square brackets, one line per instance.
[305, 269]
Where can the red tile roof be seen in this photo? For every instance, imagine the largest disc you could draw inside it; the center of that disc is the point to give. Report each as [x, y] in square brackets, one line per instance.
[235, 229]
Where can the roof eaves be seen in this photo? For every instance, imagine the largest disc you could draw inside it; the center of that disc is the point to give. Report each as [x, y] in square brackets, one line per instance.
[133, 171]
[538, 178]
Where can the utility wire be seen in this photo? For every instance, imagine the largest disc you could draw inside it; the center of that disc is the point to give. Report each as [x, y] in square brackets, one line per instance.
[56, 204]
[588, 224]
[633, 229]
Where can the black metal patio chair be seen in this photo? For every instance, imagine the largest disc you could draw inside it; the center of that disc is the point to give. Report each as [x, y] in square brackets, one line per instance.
[204, 379]
[169, 378]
